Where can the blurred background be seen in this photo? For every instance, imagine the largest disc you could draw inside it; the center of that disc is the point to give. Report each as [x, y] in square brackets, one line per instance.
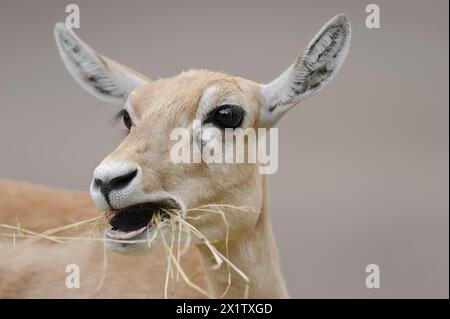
[363, 166]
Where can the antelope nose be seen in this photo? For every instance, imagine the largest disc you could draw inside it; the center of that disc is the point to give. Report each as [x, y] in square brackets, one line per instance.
[115, 183]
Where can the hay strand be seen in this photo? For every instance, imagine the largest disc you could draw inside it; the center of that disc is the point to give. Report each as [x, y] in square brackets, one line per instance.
[180, 228]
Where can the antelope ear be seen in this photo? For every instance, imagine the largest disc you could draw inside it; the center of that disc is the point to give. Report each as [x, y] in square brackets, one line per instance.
[314, 67]
[100, 76]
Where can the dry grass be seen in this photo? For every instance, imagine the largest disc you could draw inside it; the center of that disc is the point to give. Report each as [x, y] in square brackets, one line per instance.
[179, 228]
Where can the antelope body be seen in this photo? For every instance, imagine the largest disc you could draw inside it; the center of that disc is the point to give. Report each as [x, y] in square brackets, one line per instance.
[140, 173]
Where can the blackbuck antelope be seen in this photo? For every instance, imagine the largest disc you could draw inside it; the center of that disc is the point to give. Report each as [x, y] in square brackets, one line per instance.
[147, 195]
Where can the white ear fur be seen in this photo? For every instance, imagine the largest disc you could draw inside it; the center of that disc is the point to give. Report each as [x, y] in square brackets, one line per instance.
[100, 76]
[316, 66]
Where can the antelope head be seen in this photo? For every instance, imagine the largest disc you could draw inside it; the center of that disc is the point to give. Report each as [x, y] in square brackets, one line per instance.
[140, 177]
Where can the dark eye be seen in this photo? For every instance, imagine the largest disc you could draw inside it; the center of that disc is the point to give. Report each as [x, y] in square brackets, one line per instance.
[124, 116]
[226, 116]
[127, 120]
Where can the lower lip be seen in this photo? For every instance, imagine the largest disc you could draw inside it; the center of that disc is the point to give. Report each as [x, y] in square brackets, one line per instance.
[121, 235]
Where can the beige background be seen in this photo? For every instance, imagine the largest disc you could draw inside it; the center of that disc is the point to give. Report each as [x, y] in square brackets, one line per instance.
[363, 174]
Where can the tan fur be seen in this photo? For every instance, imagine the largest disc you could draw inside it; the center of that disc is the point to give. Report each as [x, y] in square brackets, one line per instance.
[166, 104]
[161, 106]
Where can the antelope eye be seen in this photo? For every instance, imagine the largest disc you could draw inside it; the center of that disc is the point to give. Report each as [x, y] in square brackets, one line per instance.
[226, 116]
[124, 116]
[127, 120]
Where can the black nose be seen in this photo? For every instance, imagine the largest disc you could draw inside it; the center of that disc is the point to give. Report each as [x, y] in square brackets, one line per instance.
[116, 183]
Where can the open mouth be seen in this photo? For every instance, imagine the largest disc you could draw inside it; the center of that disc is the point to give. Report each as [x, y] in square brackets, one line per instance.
[132, 221]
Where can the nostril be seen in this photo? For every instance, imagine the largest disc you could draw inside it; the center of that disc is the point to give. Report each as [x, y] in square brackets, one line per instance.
[122, 181]
[97, 182]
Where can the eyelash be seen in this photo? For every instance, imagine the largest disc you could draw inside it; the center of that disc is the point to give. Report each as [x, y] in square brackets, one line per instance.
[119, 117]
